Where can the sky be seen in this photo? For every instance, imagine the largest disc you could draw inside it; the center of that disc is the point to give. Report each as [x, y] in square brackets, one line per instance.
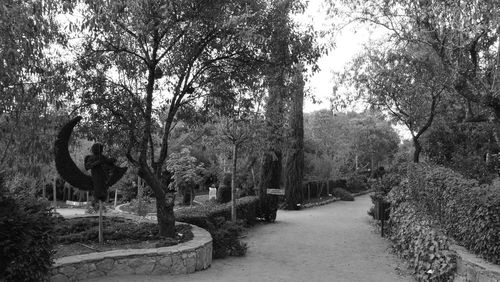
[348, 42]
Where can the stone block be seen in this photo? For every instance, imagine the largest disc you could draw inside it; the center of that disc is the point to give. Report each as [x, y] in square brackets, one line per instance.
[190, 262]
[105, 264]
[200, 258]
[146, 267]
[178, 265]
[120, 268]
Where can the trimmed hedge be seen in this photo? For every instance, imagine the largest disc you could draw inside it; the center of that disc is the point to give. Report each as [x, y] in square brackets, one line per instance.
[342, 194]
[468, 212]
[26, 239]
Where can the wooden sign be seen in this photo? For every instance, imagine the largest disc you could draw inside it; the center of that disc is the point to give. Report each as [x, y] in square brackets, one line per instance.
[279, 192]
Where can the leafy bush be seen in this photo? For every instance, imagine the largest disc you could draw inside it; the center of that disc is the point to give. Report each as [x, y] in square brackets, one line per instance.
[26, 239]
[225, 236]
[468, 212]
[356, 183]
[224, 190]
[342, 194]
[215, 218]
[415, 240]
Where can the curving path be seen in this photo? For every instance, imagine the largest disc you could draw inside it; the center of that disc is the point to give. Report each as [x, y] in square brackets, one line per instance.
[334, 242]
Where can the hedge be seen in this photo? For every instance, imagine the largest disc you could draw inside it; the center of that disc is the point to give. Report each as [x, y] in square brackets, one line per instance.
[342, 194]
[215, 218]
[467, 211]
[424, 248]
[26, 239]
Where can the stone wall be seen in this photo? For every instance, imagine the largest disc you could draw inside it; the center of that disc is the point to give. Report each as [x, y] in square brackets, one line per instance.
[471, 268]
[187, 257]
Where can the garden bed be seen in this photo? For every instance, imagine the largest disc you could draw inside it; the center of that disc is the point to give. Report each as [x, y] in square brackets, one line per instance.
[80, 235]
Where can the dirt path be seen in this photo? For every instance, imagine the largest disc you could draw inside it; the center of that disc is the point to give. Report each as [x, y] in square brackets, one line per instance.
[329, 243]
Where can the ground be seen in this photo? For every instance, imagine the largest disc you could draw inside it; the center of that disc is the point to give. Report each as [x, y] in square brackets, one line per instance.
[334, 242]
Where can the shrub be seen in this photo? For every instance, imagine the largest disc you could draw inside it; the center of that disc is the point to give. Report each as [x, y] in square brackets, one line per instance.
[342, 194]
[468, 212]
[215, 218]
[415, 240]
[26, 239]
[225, 236]
[356, 183]
[224, 190]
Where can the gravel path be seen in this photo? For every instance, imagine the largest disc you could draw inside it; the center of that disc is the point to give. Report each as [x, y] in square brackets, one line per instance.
[334, 242]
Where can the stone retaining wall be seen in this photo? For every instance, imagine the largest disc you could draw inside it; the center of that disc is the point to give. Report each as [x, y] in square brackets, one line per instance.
[471, 268]
[187, 257]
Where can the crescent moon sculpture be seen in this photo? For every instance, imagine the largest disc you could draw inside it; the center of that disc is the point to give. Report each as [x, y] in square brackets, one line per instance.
[67, 168]
[65, 165]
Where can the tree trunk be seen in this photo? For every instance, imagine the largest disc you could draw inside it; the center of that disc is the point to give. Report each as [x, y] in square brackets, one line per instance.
[54, 193]
[295, 161]
[233, 184]
[418, 150]
[165, 215]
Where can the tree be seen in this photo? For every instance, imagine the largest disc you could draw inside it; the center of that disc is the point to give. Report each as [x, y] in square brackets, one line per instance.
[286, 47]
[337, 140]
[187, 173]
[163, 53]
[462, 34]
[33, 85]
[295, 157]
[408, 83]
[236, 132]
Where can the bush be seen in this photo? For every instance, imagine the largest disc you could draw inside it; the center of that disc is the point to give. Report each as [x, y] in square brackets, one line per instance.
[342, 194]
[356, 184]
[224, 190]
[215, 218]
[26, 239]
[415, 240]
[468, 212]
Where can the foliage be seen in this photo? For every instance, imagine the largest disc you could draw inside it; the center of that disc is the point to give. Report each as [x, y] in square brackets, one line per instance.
[216, 219]
[414, 239]
[85, 230]
[408, 83]
[26, 238]
[224, 189]
[356, 183]
[342, 194]
[334, 141]
[33, 87]
[225, 236]
[468, 212]
[462, 147]
[187, 172]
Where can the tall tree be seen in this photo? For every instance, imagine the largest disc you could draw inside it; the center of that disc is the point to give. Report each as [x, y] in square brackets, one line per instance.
[144, 60]
[295, 158]
[33, 85]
